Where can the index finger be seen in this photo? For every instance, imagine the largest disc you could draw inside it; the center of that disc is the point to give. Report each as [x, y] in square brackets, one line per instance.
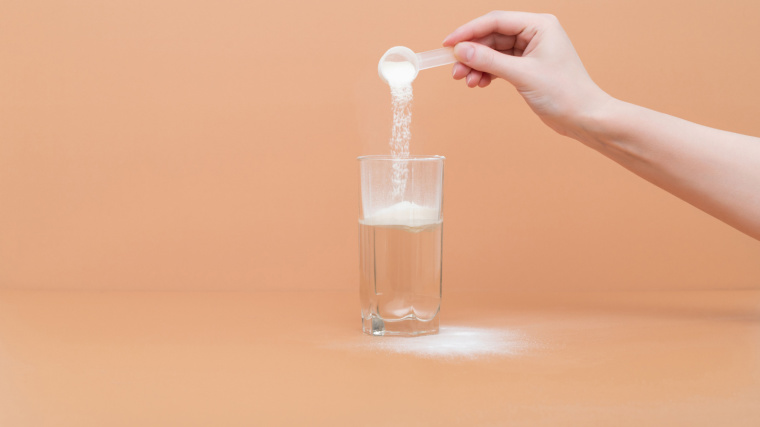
[507, 23]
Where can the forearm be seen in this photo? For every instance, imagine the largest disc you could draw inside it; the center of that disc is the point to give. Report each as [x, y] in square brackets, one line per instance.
[716, 171]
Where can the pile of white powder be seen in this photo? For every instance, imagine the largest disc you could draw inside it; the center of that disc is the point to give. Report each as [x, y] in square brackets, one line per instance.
[404, 213]
[452, 342]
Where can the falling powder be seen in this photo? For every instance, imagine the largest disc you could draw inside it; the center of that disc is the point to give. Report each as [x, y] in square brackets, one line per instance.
[399, 76]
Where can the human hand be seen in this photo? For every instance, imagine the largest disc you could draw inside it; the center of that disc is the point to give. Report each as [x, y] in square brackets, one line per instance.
[531, 51]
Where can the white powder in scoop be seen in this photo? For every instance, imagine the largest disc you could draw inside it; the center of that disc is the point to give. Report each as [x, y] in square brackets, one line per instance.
[399, 76]
[398, 73]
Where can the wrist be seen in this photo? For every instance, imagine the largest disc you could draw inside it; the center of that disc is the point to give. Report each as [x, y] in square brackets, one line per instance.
[591, 124]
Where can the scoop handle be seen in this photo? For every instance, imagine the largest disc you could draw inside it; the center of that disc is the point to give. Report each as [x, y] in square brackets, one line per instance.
[436, 57]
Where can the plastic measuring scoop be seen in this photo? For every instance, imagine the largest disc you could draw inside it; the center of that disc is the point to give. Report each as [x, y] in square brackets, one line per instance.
[420, 61]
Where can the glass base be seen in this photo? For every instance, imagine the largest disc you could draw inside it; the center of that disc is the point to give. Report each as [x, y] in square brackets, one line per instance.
[409, 326]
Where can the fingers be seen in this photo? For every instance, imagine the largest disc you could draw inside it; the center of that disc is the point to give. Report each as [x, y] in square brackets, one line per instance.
[486, 60]
[489, 44]
[460, 71]
[506, 23]
[473, 78]
[497, 41]
[487, 47]
[485, 80]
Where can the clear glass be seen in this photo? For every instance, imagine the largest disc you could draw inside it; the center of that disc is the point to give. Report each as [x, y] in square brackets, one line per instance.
[400, 243]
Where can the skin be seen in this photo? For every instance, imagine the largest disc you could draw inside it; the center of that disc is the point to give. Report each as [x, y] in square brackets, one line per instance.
[713, 170]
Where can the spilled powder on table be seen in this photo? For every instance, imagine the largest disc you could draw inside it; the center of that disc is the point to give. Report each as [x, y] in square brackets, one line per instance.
[450, 342]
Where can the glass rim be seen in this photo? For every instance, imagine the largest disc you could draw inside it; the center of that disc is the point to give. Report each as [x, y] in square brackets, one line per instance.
[412, 157]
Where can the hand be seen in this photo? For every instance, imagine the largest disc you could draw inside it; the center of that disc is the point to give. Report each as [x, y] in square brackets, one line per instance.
[532, 52]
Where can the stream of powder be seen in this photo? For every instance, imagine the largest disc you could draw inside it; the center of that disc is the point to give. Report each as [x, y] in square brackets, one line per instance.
[401, 97]
[399, 76]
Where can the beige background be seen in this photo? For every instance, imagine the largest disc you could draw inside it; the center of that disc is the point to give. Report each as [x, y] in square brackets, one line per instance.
[200, 146]
[210, 145]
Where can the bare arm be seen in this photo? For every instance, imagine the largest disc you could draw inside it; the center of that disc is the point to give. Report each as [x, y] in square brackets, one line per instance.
[716, 171]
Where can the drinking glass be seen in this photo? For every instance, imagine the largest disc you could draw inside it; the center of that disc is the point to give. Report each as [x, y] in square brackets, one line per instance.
[400, 242]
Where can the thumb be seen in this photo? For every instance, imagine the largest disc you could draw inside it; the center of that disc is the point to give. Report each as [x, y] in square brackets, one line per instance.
[485, 59]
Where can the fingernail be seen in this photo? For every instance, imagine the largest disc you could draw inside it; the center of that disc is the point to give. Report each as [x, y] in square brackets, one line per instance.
[454, 70]
[464, 51]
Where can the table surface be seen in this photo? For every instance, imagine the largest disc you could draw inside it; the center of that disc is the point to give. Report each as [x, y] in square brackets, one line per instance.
[75, 358]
